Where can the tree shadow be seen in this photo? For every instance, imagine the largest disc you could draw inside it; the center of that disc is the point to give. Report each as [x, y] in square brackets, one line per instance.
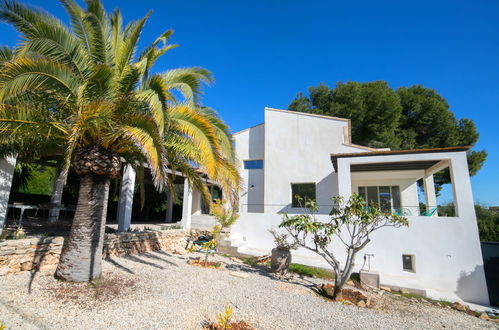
[265, 271]
[136, 259]
[120, 266]
[41, 252]
[152, 256]
[471, 286]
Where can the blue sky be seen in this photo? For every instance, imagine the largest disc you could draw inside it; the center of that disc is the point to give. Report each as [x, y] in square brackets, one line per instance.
[263, 52]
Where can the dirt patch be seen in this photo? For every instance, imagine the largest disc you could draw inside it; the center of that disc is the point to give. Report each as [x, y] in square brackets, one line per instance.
[291, 288]
[86, 295]
[206, 264]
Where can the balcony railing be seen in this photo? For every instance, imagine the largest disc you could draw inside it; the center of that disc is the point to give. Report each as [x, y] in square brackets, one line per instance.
[407, 211]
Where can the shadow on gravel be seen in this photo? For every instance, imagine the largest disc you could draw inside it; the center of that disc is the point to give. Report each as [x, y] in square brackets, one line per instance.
[38, 258]
[35, 321]
[137, 259]
[117, 265]
[265, 271]
[152, 256]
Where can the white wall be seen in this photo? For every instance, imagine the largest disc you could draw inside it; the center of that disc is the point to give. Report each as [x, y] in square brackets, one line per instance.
[250, 146]
[297, 150]
[447, 254]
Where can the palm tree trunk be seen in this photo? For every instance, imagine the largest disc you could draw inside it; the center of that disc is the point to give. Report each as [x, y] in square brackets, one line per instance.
[55, 200]
[81, 257]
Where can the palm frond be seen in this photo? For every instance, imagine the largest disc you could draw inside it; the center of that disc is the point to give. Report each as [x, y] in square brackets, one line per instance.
[24, 74]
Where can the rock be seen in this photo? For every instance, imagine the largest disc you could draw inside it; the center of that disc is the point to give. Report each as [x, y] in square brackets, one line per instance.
[235, 259]
[384, 288]
[180, 252]
[362, 304]
[484, 316]
[239, 274]
[404, 291]
[350, 282]
[459, 307]
[4, 270]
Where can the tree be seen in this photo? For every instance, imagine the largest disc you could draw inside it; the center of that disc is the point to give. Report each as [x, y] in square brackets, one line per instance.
[83, 93]
[352, 223]
[225, 217]
[408, 118]
[488, 224]
[428, 122]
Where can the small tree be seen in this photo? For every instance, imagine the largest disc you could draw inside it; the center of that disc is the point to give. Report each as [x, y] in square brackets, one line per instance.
[353, 218]
[224, 217]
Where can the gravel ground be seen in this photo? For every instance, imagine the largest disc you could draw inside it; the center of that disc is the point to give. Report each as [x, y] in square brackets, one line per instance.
[161, 291]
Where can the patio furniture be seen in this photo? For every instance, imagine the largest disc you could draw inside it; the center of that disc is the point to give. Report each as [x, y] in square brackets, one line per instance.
[430, 212]
[403, 211]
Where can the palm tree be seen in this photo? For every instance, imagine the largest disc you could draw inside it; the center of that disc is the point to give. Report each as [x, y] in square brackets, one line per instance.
[83, 90]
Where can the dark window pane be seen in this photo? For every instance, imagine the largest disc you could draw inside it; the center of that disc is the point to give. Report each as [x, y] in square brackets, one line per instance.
[372, 195]
[408, 262]
[385, 203]
[362, 192]
[305, 190]
[253, 164]
[396, 197]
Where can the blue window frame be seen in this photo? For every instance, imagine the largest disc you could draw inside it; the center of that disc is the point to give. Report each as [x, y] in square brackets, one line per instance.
[256, 164]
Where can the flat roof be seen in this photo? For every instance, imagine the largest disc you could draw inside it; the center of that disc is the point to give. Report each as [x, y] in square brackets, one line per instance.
[394, 166]
[307, 114]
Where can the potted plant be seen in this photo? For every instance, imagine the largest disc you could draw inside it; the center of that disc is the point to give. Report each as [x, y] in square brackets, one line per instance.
[281, 255]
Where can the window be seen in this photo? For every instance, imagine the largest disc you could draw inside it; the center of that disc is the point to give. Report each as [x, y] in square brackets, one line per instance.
[386, 197]
[408, 263]
[256, 164]
[304, 190]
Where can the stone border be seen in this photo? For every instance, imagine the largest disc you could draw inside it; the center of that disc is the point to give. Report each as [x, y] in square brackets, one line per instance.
[42, 253]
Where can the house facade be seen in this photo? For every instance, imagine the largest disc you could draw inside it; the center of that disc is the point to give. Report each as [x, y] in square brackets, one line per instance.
[313, 156]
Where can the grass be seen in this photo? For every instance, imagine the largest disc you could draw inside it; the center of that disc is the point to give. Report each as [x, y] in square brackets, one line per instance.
[311, 271]
[412, 295]
[251, 261]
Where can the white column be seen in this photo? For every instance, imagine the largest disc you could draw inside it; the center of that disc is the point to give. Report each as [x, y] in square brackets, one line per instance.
[344, 178]
[169, 209]
[461, 185]
[57, 189]
[187, 205]
[126, 198]
[429, 192]
[7, 167]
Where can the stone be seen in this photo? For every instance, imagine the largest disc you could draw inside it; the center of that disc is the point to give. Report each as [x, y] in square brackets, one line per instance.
[239, 274]
[362, 304]
[239, 261]
[4, 270]
[350, 282]
[180, 252]
[25, 266]
[404, 291]
[484, 316]
[459, 307]
[385, 288]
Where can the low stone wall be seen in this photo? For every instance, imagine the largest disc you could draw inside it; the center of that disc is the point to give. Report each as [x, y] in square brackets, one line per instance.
[42, 253]
[120, 244]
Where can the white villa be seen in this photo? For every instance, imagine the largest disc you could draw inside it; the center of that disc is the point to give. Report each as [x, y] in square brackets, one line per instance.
[313, 156]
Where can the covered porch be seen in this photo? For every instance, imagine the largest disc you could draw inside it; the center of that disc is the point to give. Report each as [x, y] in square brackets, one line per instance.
[187, 210]
[389, 179]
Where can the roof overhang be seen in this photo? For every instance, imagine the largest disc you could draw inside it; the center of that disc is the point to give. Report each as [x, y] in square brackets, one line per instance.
[394, 165]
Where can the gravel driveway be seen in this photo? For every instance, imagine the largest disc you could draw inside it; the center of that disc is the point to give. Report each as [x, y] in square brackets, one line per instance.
[161, 291]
